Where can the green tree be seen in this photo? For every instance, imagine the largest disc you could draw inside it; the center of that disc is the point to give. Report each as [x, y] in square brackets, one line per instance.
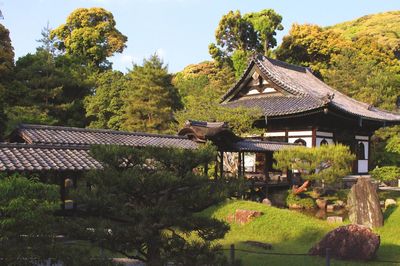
[144, 204]
[206, 107]
[201, 87]
[386, 154]
[27, 222]
[266, 22]
[309, 45]
[90, 34]
[238, 37]
[104, 108]
[6, 72]
[328, 163]
[150, 97]
[194, 79]
[47, 89]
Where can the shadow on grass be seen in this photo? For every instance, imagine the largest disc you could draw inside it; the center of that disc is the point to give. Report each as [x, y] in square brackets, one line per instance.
[389, 211]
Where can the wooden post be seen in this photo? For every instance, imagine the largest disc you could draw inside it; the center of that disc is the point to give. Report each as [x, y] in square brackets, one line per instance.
[232, 254]
[239, 165]
[216, 167]
[328, 257]
[243, 168]
[221, 170]
[62, 190]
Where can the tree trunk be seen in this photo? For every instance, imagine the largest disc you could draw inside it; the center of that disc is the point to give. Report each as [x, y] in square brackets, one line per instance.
[153, 253]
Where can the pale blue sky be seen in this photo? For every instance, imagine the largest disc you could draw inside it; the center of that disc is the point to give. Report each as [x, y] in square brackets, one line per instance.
[179, 30]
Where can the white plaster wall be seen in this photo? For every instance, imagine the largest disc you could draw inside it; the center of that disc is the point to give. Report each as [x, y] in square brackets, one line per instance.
[362, 166]
[318, 141]
[308, 140]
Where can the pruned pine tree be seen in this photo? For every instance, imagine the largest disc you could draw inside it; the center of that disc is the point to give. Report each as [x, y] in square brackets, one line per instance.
[145, 204]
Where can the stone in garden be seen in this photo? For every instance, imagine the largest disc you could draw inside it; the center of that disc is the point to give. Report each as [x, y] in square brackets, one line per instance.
[330, 208]
[389, 202]
[321, 203]
[363, 204]
[320, 214]
[295, 206]
[334, 219]
[230, 218]
[245, 216]
[348, 242]
[267, 202]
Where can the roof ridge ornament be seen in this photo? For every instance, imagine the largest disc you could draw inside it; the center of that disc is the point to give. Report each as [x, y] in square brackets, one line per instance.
[328, 98]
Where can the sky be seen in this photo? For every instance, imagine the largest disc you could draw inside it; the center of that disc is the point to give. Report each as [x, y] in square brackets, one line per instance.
[179, 31]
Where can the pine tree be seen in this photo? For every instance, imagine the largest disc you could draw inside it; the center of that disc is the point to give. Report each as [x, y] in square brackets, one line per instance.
[150, 97]
[144, 204]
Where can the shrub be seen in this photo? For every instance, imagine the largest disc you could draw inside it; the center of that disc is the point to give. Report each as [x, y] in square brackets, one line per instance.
[302, 201]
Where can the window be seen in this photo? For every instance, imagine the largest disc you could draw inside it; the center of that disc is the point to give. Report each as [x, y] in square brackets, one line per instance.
[302, 142]
[323, 142]
[361, 151]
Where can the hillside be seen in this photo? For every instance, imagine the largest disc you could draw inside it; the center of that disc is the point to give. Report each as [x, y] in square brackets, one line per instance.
[385, 26]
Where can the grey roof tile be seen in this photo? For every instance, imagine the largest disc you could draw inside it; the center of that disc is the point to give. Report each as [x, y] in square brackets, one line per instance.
[80, 136]
[34, 157]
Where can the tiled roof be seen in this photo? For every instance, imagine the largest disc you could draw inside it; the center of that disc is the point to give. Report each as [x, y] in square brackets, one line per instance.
[33, 157]
[38, 134]
[260, 146]
[273, 106]
[300, 82]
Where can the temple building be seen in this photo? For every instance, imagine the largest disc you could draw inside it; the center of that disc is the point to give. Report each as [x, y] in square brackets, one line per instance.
[300, 108]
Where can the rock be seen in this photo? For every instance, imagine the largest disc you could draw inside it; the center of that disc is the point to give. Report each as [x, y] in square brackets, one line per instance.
[334, 219]
[348, 242]
[320, 214]
[321, 203]
[363, 204]
[295, 206]
[267, 202]
[389, 202]
[230, 218]
[330, 208]
[245, 216]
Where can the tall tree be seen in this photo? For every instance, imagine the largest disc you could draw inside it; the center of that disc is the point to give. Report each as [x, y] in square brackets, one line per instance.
[48, 89]
[266, 22]
[105, 107]
[146, 207]
[90, 34]
[150, 97]
[238, 37]
[6, 72]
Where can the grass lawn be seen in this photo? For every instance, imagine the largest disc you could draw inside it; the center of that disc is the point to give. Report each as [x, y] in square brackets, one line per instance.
[293, 232]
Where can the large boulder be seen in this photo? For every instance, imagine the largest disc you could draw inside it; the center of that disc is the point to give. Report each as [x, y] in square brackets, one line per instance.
[348, 242]
[363, 203]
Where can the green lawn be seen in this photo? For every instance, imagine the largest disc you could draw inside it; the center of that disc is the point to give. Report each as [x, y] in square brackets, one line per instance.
[292, 232]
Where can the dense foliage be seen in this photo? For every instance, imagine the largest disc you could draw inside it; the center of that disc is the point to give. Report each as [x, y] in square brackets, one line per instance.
[387, 156]
[238, 37]
[202, 87]
[90, 35]
[27, 223]
[327, 163]
[144, 204]
[361, 67]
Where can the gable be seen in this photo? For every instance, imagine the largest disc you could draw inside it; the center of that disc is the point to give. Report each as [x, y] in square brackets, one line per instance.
[256, 84]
